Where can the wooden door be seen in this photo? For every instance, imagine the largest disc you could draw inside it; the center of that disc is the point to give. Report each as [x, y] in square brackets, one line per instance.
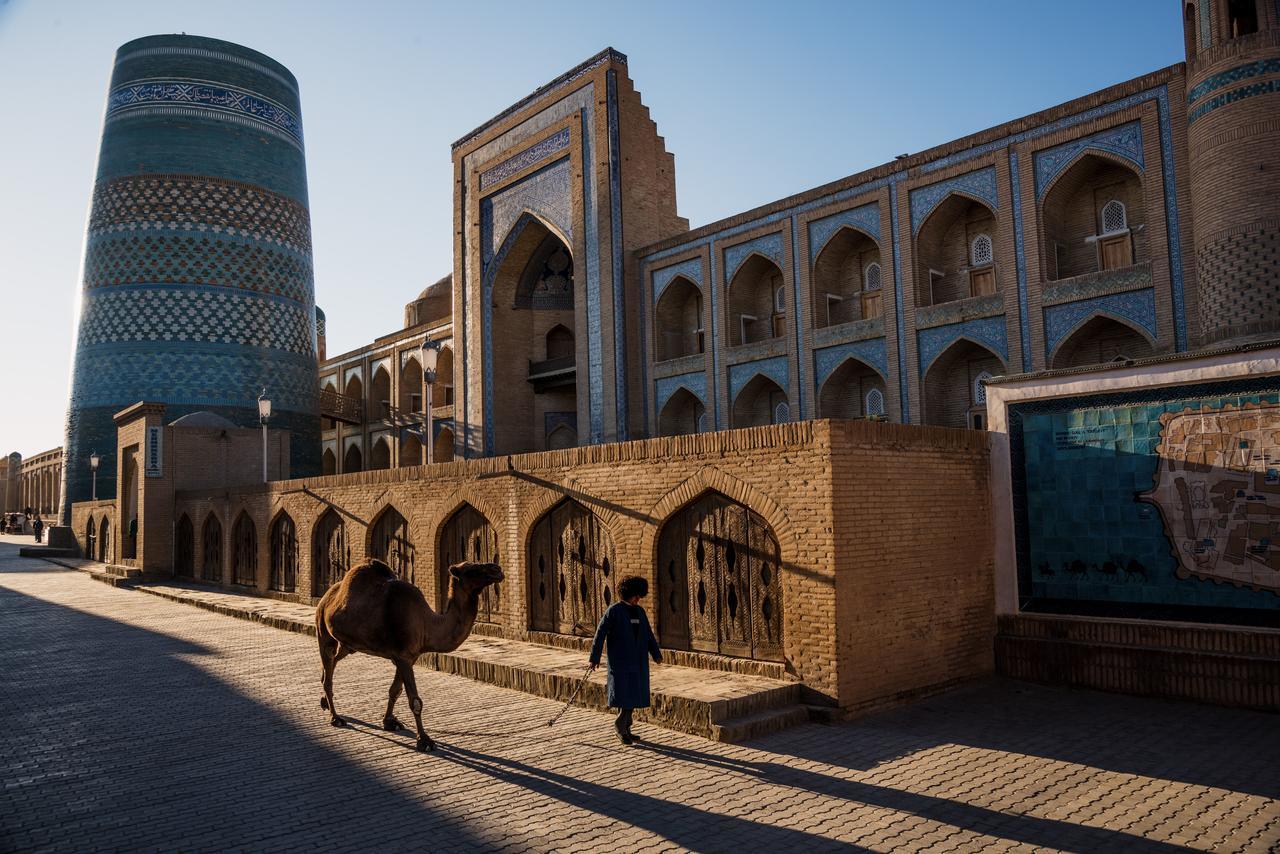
[982, 282]
[329, 559]
[389, 542]
[571, 565]
[284, 555]
[871, 306]
[211, 546]
[1116, 251]
[184, 548]
[468, 536]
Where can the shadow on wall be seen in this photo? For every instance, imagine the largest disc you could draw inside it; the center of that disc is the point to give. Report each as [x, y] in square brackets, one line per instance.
[214, 756]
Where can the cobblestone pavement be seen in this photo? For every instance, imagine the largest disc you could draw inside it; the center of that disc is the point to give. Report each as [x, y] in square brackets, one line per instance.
[132, 722]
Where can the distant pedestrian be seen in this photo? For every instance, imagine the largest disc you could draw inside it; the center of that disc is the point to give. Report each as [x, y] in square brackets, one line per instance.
[625, 628]
[38, 527]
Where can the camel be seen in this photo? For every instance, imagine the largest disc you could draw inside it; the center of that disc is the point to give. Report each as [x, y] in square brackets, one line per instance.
[372, 611]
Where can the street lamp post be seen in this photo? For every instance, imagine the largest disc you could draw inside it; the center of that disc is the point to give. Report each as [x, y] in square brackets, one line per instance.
[94, 459]
[430, 354]
[264, 415]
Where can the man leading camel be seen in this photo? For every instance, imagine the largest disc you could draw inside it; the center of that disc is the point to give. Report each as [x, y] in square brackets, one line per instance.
[625, 627]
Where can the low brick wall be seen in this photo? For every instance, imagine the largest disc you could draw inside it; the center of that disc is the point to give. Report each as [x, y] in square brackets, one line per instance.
[841, 499]
[81, 513]
[1225, 666]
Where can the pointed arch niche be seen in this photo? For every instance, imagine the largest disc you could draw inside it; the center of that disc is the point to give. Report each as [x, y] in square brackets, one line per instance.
[533, 347]
[1100, 340]
[951, 396]
[1094, 219]
[847, 279]
[956, 252]
[571, 570]
[854, 390]
[757, 302]
[678, 321]
[468, 535]
[681, 415]
[761, 401]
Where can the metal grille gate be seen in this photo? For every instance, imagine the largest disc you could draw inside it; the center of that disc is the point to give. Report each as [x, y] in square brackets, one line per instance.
[718, 581]
[468, 536]
[571, 561]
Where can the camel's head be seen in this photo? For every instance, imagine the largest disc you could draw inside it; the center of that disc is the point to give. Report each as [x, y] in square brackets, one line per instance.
[474, 577]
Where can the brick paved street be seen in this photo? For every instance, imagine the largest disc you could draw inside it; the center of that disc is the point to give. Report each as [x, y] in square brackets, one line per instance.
[134, 722]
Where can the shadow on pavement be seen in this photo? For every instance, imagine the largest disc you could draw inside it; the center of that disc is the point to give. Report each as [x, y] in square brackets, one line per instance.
[114, 739]
[1233, 749]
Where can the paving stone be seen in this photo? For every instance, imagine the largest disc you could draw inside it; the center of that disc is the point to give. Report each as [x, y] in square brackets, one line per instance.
[136, 722]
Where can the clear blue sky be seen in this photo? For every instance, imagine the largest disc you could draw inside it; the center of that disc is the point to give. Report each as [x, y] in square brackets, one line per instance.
[756, 100]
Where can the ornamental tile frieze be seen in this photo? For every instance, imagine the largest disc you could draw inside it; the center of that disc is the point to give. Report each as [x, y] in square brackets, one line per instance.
[1098, 284]
[158, 202]
[1225, 78]
[1124, 141]
[959, 311]
[854, 330]
[210, 96]
[557, 142]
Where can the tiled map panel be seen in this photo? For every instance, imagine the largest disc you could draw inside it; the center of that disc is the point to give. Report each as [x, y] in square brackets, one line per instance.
[1161, 504]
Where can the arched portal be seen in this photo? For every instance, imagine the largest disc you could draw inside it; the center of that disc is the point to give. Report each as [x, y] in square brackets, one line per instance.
[129, 505]
[442, 447]
[1093, 219]
[757, 302]
[1101, 340]
[681, 414]
[244, 551]
[389, 542]
[184, 548]
[380, 394]
[410, 449]
[562, 436]
[468, 536]
[329, 556]
[719, 585]
[380, 454]
[953, 397]
[761, 401]
[571, 562]
[353, 460]
[211, 549]
[104, 541]
[846, 279]
[956, 252]
[533, 372]
[284, 554]
[90, 538]
[847, 393]
[678, 320]
[328, 462]
[410, 386]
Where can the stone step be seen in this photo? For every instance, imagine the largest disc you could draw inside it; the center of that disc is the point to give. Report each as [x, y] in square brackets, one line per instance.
[713, 704]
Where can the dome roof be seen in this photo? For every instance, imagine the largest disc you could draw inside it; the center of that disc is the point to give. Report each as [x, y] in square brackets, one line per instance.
[204, 418]
[442, 287]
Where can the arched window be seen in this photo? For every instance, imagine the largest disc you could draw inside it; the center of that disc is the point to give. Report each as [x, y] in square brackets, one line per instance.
[782, 413]
[1114, 217]
[874, 402]
[980, 388]
[980, 251]
[559, 343]
[871, 304]
[871, 277]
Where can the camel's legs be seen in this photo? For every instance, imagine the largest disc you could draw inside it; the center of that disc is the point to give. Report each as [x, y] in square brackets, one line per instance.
[389, 721]
[331, 652]
[404, 670]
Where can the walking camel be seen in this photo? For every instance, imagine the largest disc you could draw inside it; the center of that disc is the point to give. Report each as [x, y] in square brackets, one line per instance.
[372, 611]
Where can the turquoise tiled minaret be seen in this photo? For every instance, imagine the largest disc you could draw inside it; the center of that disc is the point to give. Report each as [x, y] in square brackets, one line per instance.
[197, 288]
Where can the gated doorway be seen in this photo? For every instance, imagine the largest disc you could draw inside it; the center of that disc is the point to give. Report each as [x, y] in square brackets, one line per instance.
[284, 554]
[329, 553]
[184, 548]
[468, 536]
[571, 561]
[211, 546]
[389, 542]
[718, 581]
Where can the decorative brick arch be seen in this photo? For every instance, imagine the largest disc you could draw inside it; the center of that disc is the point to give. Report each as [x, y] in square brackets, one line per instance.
[464, 494]
[817, 251]
[533, 512]
[1111, 157]
[1126, 322]
[709, 478]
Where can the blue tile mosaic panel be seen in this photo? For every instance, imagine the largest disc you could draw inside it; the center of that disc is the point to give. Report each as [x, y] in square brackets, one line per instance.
[558, 141]
[768, 245]
[173, 97]
[990, 332]
[1137, 306]
[1161, 504]
[775, 369]
[691, 270]
[980, 184]
[865, 218]
[696, 383]
[872, 352]
[1124, 141]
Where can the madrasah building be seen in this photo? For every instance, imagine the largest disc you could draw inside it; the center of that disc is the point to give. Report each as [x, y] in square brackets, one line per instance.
[975, 410]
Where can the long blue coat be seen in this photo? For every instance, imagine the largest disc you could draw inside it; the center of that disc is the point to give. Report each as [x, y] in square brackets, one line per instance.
[629, 652]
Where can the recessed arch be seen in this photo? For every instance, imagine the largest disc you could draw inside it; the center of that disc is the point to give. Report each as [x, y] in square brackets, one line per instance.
[244, 551]
[1074, 241]
[572, 570]
[842, 290]
[328, 462]
[468, 535]
[390, 542]
[945, 270]
[757, 301]
[442, 390]
[757, 403]
[681, 413]
[284, 553]
[719, 585]
[1101, 338]
[354, 388]
[211, 548]
[532, 288]
[90, 537]
[380, 394]
[949, 383]
[558, 342]
[410, 449]
[442, 447]
[104, 540]
[329, 554]
[678, 329]
[844, 393]
[562, 437]
[411, 387]
[380, 454]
